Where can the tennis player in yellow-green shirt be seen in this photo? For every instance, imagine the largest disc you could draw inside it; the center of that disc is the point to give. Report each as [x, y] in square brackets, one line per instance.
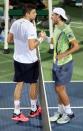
[65, 44]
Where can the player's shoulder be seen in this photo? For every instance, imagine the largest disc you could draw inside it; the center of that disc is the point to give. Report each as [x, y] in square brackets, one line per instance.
[15, 22]
[67, 28]
[30, 23]
[27, 23]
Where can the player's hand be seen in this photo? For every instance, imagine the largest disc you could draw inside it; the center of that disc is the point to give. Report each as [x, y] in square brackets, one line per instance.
[40, 39]
[43, 35]
[60, 56]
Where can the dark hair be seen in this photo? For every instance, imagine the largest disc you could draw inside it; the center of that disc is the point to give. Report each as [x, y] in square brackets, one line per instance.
[66, 21]
[63, 19]
[27, 8]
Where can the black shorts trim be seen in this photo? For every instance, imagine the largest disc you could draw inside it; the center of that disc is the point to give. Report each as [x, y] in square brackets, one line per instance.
[27, 73]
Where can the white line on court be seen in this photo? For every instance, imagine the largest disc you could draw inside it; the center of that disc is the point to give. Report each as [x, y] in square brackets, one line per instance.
[77, 26]
[28, 108]
[2, 62]
[8, 74]
[73, 22]
[22, 108]
[10, 82]
[81, 81]
[8, 57]
[73, 107]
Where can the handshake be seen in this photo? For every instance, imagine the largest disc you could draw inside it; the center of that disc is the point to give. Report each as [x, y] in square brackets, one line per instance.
[43, 37]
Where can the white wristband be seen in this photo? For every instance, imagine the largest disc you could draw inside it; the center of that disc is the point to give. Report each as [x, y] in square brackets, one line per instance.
[48, 39]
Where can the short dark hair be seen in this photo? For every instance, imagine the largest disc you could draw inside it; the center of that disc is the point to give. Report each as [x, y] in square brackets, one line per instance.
[27, 8]
[66, 21]
[63, 19]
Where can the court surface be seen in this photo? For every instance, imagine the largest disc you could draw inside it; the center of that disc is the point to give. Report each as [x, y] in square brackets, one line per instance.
[75, 91]
[6, 110]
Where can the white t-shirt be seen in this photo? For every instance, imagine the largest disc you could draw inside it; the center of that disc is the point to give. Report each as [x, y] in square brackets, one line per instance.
[23, 30]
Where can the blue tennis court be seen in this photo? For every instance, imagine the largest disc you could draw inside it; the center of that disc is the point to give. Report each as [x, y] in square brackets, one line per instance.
[75, 91]
[6, 110]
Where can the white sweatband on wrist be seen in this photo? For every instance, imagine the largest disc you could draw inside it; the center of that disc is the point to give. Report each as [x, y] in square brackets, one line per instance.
[51, 46]
[48, 39]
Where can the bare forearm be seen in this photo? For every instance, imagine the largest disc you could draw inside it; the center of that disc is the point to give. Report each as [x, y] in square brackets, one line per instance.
[9, 41]
[10, 38]
[35, 44]
[68, 52]
[74, 48]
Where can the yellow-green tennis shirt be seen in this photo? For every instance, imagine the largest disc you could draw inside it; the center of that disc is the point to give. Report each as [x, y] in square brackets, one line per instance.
[63, 35]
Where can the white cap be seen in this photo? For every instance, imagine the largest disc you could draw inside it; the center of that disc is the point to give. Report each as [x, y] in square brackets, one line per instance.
[61, 12]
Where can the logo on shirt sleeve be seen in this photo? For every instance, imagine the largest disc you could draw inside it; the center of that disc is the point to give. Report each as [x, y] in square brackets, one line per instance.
[70, 35]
